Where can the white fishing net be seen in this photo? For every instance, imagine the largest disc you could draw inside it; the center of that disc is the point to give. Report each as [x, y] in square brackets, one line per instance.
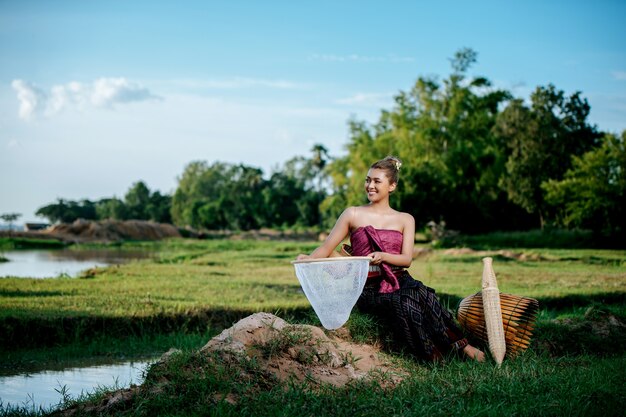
[333, 286]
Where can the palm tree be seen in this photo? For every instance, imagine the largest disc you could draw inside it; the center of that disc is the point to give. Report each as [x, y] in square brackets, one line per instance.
[318, 162]
[10, 218]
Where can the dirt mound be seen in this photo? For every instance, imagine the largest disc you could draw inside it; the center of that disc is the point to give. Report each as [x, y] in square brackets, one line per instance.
[112, 231]
[301, 351]
[280, 350]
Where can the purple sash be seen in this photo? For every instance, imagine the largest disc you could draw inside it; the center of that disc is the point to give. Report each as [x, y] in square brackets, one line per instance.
[366, 240]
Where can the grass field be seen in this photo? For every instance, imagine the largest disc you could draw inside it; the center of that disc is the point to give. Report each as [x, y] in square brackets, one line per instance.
[192, 289]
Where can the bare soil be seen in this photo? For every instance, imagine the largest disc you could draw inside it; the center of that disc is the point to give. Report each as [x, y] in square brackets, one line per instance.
[302, 352]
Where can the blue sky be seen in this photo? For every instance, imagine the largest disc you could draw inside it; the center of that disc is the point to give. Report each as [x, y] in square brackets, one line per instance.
[95, 95]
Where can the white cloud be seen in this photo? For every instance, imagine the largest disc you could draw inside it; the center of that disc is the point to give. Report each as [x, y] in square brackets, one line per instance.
[31, 98]
[103, 93]
[619, 75]
[108, 91]
[360, 58]
[368, 99]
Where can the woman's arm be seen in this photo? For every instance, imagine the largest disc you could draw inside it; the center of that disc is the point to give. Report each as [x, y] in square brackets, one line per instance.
[336, 236]
[404, 258]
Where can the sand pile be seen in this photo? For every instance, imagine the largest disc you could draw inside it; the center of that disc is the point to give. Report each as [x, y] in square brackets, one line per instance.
[112, 230]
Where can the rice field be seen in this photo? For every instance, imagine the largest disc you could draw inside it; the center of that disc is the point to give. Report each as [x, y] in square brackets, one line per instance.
[575, 366]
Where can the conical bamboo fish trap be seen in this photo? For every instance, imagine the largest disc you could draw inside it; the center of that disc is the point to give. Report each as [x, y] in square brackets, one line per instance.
[493, 313]
[518, 318]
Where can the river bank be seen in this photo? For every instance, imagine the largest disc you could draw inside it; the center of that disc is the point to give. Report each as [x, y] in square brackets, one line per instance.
[115, 232]
[105, 231]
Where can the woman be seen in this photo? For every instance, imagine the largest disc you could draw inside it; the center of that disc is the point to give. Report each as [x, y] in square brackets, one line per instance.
[387, 237]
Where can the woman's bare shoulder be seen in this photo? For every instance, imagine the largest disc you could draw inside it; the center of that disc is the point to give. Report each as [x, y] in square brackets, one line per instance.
[349, 215]
[350, 211]
[406, 218]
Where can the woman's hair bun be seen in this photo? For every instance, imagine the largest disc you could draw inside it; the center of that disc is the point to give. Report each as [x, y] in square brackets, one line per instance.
[391, 165]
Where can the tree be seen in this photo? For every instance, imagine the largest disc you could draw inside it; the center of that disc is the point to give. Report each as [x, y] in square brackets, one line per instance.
[592, 193]
[191, 191]
[219, 196]
[10, 218]
[237, 197]
[159, 208]
[139, 203]
[279, 200]
[318, 164]
[443, 133]
[293, 193]
[66, 211]
[111, 208]
[137, 199]
[241, 200]
[541, 140]
[142, 204]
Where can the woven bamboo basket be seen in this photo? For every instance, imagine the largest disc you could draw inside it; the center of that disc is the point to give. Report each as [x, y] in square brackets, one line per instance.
[518, 319]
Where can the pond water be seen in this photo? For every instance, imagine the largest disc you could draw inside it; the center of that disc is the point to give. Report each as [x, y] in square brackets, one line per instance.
[43, 389]
[63, 262]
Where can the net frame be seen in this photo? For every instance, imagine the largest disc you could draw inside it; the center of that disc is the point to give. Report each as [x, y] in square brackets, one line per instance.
[332, 294]
[333, 259]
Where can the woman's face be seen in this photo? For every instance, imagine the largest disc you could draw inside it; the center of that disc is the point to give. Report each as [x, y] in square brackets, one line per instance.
[377, 185]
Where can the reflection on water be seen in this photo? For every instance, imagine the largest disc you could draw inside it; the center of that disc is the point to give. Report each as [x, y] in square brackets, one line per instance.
[43, 389]
[53, 263]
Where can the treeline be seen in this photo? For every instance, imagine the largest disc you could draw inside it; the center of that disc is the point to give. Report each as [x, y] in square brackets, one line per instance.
[474, 156]
[238, 197]
[139, 203]
[219, 196]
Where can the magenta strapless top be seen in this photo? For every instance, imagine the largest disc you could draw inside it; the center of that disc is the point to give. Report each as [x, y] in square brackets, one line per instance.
[366, 240]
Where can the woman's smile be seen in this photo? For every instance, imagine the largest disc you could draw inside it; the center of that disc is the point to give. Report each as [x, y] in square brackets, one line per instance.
[376, 183]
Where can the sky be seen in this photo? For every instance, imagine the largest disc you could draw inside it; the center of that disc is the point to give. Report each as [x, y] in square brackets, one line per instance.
[97, 95]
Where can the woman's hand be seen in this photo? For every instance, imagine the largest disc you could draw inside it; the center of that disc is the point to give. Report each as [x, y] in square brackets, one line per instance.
[302, 257]
[377, 258]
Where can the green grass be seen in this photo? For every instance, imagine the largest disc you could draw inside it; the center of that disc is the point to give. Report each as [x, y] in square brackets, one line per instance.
[10, 243]
[529, 386]
[556, 273]
[192, 289]
[190, 281]
[188, 275]
[255, 276]
[191, 384]
[198, 284]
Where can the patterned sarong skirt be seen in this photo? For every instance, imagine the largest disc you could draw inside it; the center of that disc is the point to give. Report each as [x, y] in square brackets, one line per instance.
[418, 319]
